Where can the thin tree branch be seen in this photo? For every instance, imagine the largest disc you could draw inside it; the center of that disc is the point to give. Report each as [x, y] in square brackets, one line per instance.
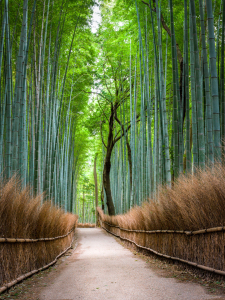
[125, 130]
[102, 110]
[102, 135]
[106, 83]
[97, 94]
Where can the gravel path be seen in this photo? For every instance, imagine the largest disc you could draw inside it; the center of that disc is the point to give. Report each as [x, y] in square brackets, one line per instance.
[102, 269]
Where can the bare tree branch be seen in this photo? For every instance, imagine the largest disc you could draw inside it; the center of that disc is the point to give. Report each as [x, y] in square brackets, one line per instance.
[102, 110]
[106, 83]
[100, 94]
[125, 130]
[102, 135]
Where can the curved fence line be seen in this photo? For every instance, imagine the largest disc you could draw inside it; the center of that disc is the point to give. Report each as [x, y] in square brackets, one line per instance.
[219, 272]
[22, 277]
[201, 231]
[15, 240]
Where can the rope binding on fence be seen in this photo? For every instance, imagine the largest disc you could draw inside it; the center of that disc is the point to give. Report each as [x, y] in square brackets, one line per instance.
[24, 276]
[201, 231]
[219, 272]
[21, 240]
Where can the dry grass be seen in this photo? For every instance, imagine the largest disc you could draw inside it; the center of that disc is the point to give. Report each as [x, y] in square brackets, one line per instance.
[194, 202]
[86, 225]
[24, 217]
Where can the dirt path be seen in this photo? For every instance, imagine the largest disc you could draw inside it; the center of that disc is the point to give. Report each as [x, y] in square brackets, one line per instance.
[101, 268]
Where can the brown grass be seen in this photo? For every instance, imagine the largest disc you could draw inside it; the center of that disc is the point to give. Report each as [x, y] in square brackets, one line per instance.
[194, 202]
[24, 217]
[86, 225]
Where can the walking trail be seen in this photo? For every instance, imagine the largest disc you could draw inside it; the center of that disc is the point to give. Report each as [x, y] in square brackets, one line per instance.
[101, 269]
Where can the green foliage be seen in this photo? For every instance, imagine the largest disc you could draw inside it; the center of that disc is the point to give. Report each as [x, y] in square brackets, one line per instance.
[161, 135]
[56, 108]
[48, 60]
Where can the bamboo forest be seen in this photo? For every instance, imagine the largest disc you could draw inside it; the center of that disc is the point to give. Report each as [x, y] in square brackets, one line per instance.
[112, 138]
[103, 108]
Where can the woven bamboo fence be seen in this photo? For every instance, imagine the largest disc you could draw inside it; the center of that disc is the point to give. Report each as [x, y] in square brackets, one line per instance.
[25, 257]
[203, 249]
[86, 225]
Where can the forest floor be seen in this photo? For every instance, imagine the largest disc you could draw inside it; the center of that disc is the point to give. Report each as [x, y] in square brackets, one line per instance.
[99, 267]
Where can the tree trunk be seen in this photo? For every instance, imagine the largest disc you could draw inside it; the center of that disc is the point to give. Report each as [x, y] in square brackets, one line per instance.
[96, 190]
[106, 183]
[107, 166]
[102, 198]
[130, 162]
[83, 206]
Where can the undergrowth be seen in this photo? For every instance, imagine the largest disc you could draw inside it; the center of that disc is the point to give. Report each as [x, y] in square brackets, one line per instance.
[23, 216]
[194, 202]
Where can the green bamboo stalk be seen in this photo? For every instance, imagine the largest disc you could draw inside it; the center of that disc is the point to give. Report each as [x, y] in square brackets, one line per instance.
[3, 109]
[209, 124]
[133, 150]
[156, 151]
[8, 166]
[2, 39]
[222, 94]
[2, 103]
[176, 98]
[214, 82]
[165, 137]
[149, 160]
[193, 99]
[22, 153]
[186, 82]
[199, 96]
[63, 86]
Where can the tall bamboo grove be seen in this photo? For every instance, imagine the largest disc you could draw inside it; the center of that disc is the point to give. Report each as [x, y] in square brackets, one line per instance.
[37, 132]
[174, 116]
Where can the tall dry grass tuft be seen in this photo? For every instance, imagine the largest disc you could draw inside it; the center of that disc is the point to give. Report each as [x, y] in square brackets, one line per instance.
[195, 202]
[24, 217]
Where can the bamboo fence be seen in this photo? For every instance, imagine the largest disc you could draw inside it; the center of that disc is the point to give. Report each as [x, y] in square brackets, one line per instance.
[15, 240]
[86, 225]
[203, 249]
[5, 241]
